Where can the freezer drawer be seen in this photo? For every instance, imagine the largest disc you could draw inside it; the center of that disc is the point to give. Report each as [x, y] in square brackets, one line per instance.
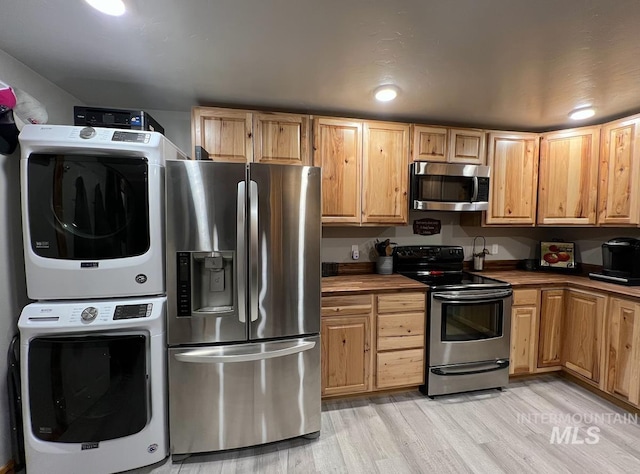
[224, 397]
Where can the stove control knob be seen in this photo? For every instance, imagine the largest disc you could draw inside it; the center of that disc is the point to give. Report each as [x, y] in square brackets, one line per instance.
[89, 314]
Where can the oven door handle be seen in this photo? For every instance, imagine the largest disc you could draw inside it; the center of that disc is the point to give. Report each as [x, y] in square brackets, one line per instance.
[497, 365]
[461, 297]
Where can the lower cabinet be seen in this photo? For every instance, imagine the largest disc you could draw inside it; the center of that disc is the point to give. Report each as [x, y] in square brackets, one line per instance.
[550, 334]
[346, 344]
[524, 327]
[623, 350]
[583, 332]
[400, 330]
[372, 342]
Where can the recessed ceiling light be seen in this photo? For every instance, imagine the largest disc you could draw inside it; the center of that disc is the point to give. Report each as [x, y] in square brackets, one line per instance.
[386, 93]
[582, 113]
[109, 7]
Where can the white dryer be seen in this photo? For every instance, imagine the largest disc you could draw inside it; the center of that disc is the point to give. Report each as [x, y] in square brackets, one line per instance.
[93, 211]
[93, 385]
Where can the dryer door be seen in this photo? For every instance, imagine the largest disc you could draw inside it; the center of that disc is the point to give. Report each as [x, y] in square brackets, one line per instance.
[85, 207]
[87, 388]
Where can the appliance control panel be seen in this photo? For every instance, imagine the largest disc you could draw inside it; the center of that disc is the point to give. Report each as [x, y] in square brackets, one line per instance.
[91, 313]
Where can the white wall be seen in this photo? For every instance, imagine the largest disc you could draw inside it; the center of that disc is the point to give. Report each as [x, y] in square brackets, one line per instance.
[13, 296]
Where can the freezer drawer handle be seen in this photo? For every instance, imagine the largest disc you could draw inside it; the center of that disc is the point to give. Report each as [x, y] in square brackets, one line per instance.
[213, 356]
[499, 364]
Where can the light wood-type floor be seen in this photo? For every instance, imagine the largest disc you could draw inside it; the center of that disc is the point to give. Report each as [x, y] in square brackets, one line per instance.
[475, 432]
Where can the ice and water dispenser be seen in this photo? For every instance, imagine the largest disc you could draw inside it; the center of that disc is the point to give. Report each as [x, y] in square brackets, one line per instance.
[206, 282]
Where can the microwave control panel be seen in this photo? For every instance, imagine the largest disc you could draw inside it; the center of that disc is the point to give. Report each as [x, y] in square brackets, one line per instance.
[483, 189]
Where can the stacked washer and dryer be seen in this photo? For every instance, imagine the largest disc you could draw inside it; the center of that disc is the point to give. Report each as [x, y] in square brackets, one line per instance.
[93, 360]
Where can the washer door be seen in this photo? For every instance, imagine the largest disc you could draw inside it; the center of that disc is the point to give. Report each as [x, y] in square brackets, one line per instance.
[88, 388]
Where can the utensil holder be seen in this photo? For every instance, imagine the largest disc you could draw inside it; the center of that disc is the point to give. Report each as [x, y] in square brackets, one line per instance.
[478, 263]
[384, 265]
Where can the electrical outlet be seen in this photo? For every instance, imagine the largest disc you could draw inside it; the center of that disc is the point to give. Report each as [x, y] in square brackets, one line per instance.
[355, 253]
[494, 249]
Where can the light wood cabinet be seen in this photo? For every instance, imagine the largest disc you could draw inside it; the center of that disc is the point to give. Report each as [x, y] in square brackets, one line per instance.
[550, 334]
[619, 199]
[429, 143]
[448, 145]
[244, 136]
[583, 333]
[366, 181]
[622, 376]
[338, 151]
[513, 158]
[226, 134]
[568, 177]
[524, 327]
[385, 173]
[467, 146]
[400, 340]
[346, 344]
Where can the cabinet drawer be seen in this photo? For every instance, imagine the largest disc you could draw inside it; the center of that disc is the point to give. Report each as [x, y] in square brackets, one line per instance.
[525, 297]
[400, 331]
[401, 303]
[346, 305]
[399, 368]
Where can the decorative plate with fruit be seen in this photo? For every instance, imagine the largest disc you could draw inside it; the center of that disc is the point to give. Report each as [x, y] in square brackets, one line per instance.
[557, 254]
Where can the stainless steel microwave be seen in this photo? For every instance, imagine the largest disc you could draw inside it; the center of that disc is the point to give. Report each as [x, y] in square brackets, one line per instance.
[449, 187]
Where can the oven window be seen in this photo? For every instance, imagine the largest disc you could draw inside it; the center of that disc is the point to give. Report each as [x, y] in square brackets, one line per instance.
[85, 207]
[445, 188]
[471, 322]
[87, 389]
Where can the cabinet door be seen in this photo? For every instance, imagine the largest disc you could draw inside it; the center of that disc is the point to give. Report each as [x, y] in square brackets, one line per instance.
[619, 199]
[513, 158]
[583, 333]
[224, 133]
[338, 151]
[345, 354]
[523, 335]
[385, 166]
[551, 316]
[623, 354]
[281, 138]
[568, 184]
[429, 144]
[467, 146]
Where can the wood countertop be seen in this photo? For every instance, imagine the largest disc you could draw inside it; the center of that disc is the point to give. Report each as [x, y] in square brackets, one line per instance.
[359, 284]
[523, 278]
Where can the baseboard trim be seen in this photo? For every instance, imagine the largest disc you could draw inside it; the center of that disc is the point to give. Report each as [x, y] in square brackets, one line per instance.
[7, 468]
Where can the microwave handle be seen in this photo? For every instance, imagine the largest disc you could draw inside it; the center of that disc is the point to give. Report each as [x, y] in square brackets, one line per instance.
[476, 186]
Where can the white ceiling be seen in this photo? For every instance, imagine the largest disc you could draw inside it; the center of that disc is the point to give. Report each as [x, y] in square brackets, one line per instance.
[513, 64]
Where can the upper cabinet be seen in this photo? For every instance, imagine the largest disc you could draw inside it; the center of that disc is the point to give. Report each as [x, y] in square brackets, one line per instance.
[448, 145]
[619, 199]
[568, 181]
[338, 151]
[513, 158]
[385, 177]
[365, 174]
[243, 136]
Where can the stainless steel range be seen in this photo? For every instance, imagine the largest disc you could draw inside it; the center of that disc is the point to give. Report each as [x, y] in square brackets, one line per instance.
[468, 323]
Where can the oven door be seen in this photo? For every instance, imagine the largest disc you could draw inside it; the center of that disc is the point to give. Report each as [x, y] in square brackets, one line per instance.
[469, 326]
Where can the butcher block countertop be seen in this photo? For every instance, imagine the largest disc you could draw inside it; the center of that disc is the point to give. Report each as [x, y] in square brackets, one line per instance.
[519, 278]
[370, 283]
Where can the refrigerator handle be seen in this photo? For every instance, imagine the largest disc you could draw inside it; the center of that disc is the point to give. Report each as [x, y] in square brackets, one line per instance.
[241, 263]
[216, 356]
[253, 250]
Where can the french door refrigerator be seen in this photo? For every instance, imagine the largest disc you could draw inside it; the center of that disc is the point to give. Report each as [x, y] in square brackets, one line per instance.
[243, 297]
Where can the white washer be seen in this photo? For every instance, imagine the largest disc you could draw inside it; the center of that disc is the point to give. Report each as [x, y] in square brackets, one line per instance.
[93, 211]
[93, 385]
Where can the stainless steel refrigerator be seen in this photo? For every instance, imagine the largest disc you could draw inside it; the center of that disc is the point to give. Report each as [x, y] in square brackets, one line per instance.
[243, 297]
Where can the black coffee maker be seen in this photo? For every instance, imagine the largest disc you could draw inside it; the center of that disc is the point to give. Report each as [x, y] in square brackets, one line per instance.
[620, 261]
